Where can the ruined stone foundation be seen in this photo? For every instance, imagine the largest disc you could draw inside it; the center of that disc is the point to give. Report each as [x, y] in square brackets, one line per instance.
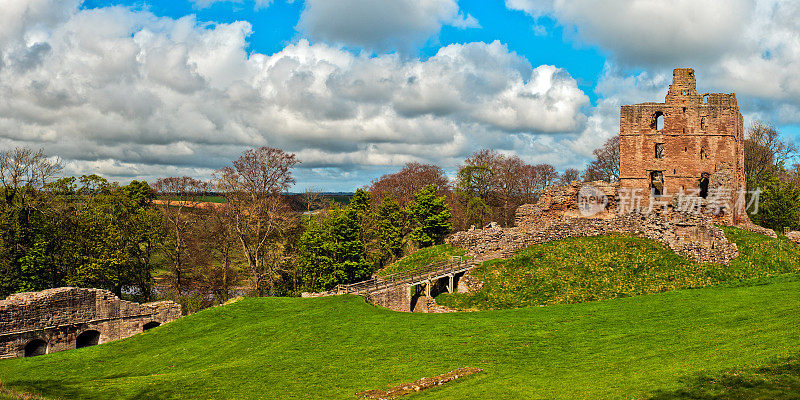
[37, 323]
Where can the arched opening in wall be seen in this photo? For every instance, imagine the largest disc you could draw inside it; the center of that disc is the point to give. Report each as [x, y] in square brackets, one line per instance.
[704, 184]
[702, 123]
[658, 121]
[703, 154]
[36, 347]
[88, 338]
[150, 325]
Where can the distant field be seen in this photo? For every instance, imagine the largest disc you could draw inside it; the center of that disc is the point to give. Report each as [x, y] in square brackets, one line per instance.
[576, 270]
[333, 347]
[201, 199]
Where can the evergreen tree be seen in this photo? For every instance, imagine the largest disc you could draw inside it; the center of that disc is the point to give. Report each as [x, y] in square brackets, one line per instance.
[430, 216]
[389, 230]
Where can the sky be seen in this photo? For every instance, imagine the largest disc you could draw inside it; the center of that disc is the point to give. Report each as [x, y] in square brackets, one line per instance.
[358, 88]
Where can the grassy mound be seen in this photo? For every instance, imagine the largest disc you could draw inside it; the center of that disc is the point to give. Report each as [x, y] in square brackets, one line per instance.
[428, 255]
[334, 347]
[576, 270]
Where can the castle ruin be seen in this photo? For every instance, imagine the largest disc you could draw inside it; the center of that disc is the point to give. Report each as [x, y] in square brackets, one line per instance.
[37, 323]
[688, 150]
[691, 143]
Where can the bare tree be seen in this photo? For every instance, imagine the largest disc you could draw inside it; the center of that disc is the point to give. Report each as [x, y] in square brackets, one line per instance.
[545, 175]
[569, 175]
[180, 196]
[763, 148]
[314, 199]
[23, 168]
[605, 166]
[411, 179]
[260, 218]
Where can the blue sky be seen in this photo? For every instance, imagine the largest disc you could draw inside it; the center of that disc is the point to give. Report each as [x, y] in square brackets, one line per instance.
[357, 88]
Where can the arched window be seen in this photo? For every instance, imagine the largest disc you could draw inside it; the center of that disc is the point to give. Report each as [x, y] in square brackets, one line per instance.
[88, 338]
[658, 121]
[35, 347]
[702, 123]
[150, 325]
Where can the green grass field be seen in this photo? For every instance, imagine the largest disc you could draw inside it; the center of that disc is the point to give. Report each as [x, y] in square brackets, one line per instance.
[332, 347]
[428, 255]
[576, 270]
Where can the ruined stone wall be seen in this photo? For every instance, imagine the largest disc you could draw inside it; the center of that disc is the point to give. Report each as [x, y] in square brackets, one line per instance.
[701, 133]
[58, 316]
[557, 216]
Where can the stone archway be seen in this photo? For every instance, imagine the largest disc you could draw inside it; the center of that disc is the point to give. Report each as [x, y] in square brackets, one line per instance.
[35, 347]
[150, 325]
[87, 338]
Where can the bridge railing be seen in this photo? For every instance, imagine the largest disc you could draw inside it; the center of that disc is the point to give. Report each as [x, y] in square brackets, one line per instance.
[408, 276]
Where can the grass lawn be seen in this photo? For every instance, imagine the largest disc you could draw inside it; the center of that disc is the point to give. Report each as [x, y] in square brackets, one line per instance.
[332, 347]
[428, 255]
[576, 270]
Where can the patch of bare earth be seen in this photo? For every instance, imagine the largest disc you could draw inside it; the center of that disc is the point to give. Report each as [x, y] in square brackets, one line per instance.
[418, 385]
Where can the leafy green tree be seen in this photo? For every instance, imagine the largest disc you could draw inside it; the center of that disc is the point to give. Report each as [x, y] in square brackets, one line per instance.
[779, 203]
[331, 250]
[430, 217]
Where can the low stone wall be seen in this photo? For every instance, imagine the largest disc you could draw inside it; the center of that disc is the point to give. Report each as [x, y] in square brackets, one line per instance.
[56, 319]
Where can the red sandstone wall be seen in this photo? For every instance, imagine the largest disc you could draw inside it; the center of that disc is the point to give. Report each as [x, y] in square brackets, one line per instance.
[690, 124]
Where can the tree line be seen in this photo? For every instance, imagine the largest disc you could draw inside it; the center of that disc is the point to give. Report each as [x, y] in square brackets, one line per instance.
[146, 241]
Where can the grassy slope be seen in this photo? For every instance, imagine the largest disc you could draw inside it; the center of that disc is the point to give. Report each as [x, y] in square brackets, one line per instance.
[576, 270]
[330, 348]
[423, 257]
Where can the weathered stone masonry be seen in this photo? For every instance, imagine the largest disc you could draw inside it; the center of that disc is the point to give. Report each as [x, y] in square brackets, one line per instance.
[668, 147]
[58, 319]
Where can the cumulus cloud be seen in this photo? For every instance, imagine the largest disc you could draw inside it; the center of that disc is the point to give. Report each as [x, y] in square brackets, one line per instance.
[650, 31]
[380, 24]
[750, 47]
[113, 90]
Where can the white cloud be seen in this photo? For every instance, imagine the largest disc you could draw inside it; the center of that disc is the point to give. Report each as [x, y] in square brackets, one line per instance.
[650, 31]
[112, 90]
[750, 47]
[200, 4]
[380, 25]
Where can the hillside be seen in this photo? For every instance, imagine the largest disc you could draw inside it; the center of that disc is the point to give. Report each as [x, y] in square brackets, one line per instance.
[576, 270]
[333, 347]
[428, 255]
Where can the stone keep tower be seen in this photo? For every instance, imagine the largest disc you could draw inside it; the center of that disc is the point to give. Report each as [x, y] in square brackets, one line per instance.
[690, 142]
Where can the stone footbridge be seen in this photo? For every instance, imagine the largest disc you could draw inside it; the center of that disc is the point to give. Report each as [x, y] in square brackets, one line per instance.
[401, 291]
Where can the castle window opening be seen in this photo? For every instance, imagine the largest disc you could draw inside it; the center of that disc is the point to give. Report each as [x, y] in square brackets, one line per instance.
[704, 185]
[656, 183]
[35, 347]
[703, 123]
[88, 338]
[659, 150]
[703, 154]
[658, 121]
